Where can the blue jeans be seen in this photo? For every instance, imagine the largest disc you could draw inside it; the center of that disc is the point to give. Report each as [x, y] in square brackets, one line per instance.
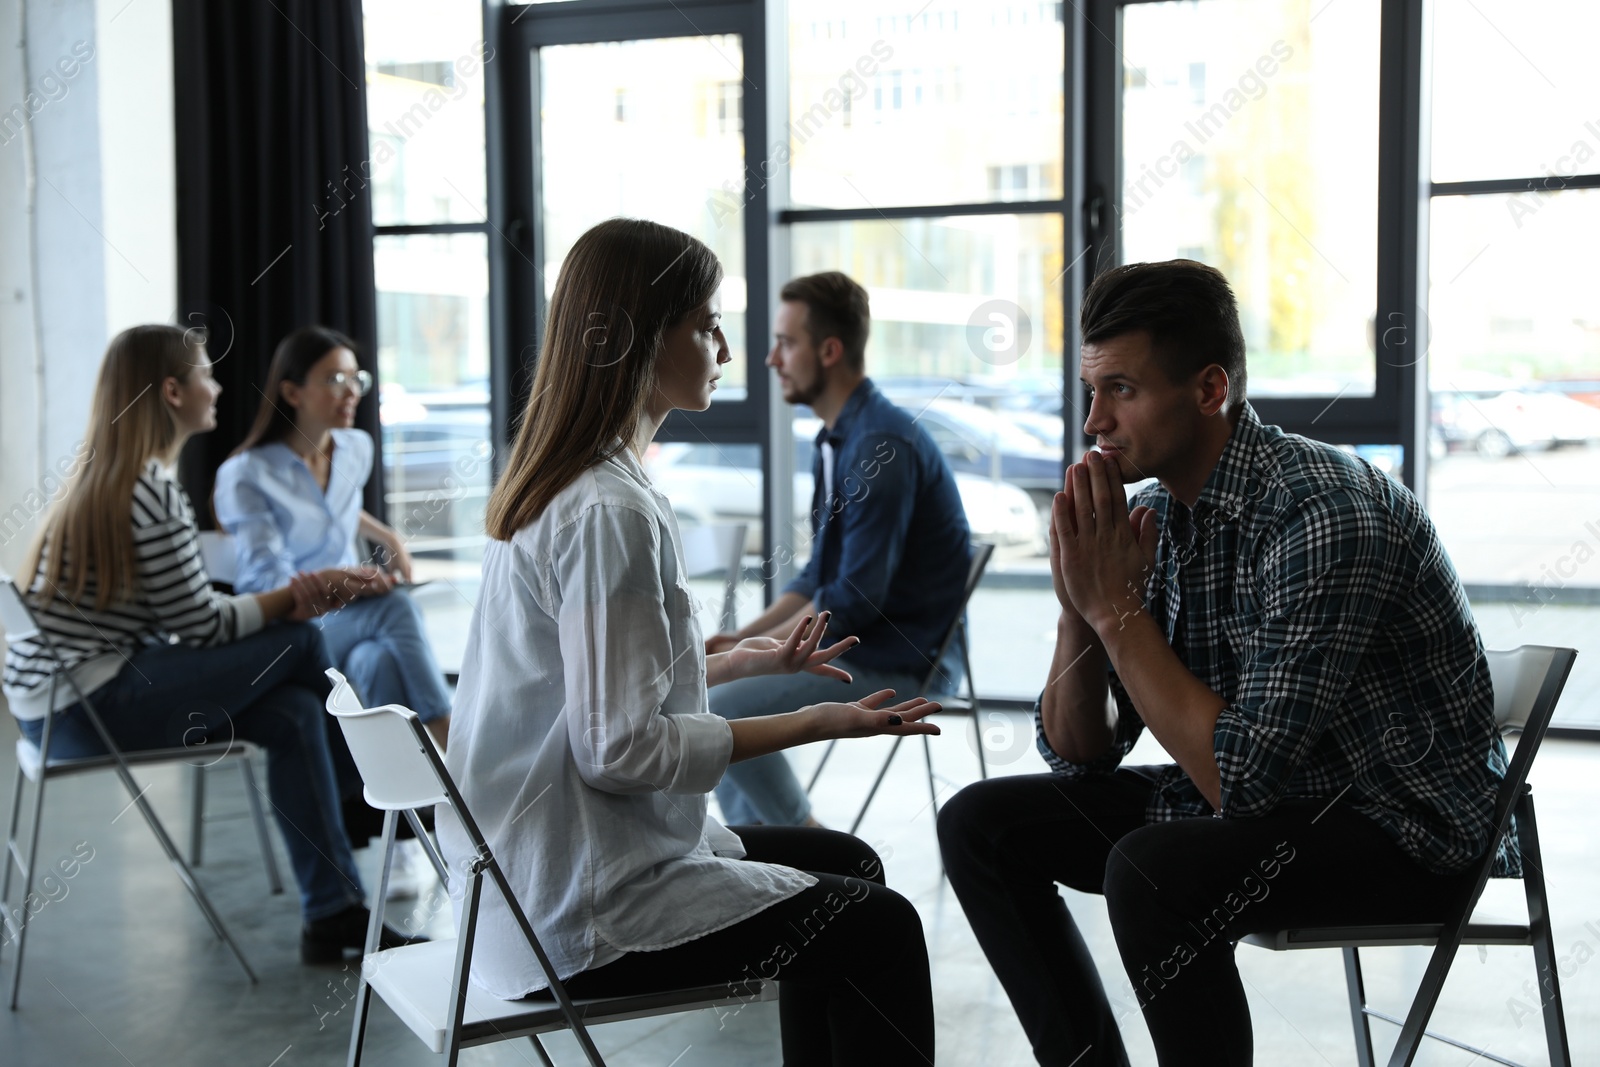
[267, 688]
[765, 789]
[379, 644]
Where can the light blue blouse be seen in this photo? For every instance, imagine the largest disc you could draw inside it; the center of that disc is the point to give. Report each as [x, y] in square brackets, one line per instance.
[282, 520]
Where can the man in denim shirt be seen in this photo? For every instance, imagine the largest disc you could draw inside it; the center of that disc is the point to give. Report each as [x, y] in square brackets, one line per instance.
[890, 544]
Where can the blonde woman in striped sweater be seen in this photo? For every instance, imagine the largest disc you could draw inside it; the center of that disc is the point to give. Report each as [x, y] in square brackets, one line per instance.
[115, 579]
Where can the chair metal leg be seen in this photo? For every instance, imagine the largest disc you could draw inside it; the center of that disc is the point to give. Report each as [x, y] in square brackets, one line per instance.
[538, 1046]
[358, 1026]
[823, 762]
[1358, 1006]
[197, 812]
[977, 709]
[27, 887]
[11, 859]
[1415, 1027]
[933, 790]
[185, 874]
[253, 794]
[882, 772]
[1544, 949]
[432, 853]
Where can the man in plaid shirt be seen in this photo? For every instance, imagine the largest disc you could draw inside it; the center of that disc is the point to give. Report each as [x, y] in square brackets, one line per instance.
[1284, 620]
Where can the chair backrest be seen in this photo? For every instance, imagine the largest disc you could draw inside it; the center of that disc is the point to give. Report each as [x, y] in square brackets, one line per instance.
[15, 615]
[219, 556]
[716, 549]
[392, 750]
[981, 552]
[1519, 676]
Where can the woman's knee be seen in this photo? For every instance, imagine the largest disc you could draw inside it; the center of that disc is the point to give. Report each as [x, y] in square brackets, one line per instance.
[288, 718]
[856, 857]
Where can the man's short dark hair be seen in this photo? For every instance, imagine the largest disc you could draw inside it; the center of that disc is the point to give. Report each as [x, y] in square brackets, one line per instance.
[1187, 308]
[835, 307]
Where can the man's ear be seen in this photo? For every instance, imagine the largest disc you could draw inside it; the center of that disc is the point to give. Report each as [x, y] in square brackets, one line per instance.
[830, 352]
[1212, 389]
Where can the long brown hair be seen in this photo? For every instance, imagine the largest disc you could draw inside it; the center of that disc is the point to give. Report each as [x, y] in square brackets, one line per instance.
[130, 423]
[623, 285]
[292, 360]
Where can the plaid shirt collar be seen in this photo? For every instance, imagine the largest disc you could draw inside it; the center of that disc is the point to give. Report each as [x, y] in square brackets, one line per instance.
[1236, 481]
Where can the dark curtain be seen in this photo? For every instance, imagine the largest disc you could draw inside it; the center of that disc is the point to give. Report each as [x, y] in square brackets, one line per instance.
[274, 216]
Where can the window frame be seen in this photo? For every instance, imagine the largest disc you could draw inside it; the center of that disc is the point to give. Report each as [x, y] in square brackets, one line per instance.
[1396, 413]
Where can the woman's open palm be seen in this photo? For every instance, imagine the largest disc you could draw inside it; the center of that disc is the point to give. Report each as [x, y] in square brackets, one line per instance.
[873, 715]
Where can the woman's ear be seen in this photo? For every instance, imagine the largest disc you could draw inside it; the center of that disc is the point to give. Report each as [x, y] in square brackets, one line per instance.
[289, 392]
[172, 392]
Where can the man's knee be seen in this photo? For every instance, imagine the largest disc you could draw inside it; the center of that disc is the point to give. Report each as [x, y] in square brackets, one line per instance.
[972, 822]
[1134, 863]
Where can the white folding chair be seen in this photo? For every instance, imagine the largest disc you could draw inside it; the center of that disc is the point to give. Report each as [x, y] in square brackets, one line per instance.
[717, 549]
[428, 985]
[20, 624]
[1527, 684]
[951, 704]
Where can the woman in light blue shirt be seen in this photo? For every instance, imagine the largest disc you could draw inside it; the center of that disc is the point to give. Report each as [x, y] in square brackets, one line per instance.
[291, 497]
[581, 738]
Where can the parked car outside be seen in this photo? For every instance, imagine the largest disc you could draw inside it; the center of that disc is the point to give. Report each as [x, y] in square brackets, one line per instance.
[712, 483]
[437, 469]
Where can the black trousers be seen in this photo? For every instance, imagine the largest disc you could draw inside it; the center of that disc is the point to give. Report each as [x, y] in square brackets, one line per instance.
[848, 954]
[1179, 895]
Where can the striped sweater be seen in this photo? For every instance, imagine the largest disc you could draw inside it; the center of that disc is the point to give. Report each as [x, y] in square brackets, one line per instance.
[174, 603]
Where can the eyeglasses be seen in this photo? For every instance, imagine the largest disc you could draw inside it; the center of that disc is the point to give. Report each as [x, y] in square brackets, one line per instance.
[359, 383]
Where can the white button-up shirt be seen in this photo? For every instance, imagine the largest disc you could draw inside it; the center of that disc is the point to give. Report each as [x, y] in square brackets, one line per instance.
[282, 520]
[583, 746]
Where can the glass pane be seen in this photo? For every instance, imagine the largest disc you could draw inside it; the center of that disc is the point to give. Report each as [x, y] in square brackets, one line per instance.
[956, 103]
[1514, 364]
[1249, 142]
[650, 129]
[433, 361]
[425, 61]
[967, 334]
[1514, 89]
[713, 486]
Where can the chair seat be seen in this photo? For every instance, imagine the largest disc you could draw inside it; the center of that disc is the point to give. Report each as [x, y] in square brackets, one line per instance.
[415, 982]
[1386, 936]
[30, 761]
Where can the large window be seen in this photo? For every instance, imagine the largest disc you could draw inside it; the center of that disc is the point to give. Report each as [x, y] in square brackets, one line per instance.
[926, 160]
[427, 169]
[1250, 143]
[1514, 350]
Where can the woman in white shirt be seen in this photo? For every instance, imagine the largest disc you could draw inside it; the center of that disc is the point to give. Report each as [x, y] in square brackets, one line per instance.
[116, 582]
[291, 497]
[581, 736]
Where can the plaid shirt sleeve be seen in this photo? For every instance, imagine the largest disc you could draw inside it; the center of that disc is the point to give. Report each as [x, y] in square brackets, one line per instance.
[1325, 579]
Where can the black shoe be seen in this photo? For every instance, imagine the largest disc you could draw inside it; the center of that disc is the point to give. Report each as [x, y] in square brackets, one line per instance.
[325, 940]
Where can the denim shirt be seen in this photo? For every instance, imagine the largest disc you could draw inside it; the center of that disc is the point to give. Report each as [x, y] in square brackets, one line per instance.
[890, 548]
[282, 521]
[582, 743]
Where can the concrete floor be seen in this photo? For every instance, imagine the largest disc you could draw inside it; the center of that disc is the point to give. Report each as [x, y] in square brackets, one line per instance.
[122, 969]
